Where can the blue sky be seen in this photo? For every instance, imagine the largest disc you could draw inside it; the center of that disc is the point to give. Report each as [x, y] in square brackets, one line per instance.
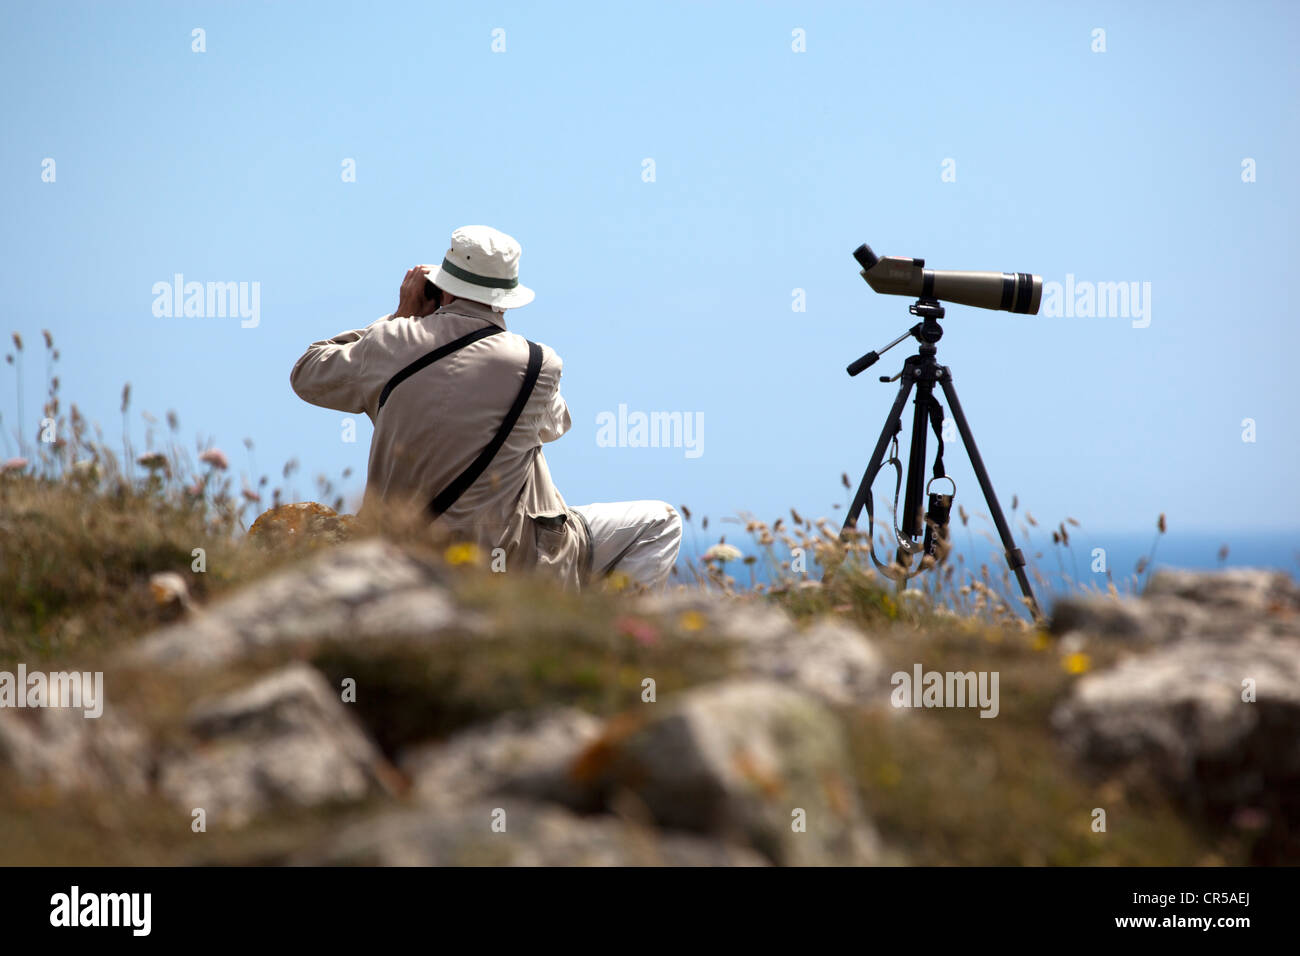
[676, 295]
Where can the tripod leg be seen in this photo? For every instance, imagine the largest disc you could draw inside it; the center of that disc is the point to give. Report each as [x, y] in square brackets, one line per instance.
[1015, 559]
[893, 424]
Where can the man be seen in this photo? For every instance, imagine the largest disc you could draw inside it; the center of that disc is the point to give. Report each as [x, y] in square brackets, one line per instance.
[461, 408]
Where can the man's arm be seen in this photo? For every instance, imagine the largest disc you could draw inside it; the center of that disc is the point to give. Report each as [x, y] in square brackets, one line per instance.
[555, 418]
[329, 372]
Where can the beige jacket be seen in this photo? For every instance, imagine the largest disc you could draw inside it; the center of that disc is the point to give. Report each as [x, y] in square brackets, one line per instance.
[437, 421]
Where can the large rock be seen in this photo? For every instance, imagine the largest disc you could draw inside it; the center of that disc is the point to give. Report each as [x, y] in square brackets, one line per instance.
[1226, 606]
[523, 753]
[829, 658]
[744, 761]
[303, 522]
[369, 589]
[1177, 713]
[285, 741]
[62, 749]
[533, 835]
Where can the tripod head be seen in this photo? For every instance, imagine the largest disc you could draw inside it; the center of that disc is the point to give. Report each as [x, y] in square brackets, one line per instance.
[930, 311]
[928, 332]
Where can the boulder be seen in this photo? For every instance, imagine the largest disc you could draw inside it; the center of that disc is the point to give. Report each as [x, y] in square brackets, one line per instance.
[63, 749]
[303, 522]
[829, 658]
[750, 761]
[523, 753]
[286, 741]
[1178, 714]
[367, 589]
[1224, 606]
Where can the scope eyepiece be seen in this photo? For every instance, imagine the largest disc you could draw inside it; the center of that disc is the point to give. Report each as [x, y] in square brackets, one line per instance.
[866, 258]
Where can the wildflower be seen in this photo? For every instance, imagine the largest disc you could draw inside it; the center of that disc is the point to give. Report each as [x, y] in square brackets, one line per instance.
[618, 581]
[692, 621]
[462, 553]
[216, 458]
[1077, 663]
[251, 495]
[722, 553]
[643, 632]
[13, 464]
[1041, 641]
[153, 460]
[168, 587]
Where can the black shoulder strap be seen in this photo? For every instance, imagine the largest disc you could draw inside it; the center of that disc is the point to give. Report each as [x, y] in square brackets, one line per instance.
[441, 351]
[467, 477]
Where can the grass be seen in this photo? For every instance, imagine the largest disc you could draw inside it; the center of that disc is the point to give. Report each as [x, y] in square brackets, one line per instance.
[82, 530]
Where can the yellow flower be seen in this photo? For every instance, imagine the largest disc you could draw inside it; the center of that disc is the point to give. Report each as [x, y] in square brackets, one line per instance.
[1077, 663]
[1041, 641]
[693, 621]
[464, 553]
[617, 581]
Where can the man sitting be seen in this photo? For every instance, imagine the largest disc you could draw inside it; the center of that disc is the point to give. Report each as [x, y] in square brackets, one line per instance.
[461, 408]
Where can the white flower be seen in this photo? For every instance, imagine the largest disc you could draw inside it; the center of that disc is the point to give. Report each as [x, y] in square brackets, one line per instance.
[722, 552]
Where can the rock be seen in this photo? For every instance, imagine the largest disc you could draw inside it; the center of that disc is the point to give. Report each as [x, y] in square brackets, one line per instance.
[534, 835]
[285, 741]
[1223, 606]
[303, 522]
[525, 753]
[737, 760]
[1240, 589]
[830, 659]
[732, 618]
[63, 749]
[1177, 713]
[368, 589]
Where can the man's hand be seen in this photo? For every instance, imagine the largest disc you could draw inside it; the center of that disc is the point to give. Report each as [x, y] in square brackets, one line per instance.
[410, 298]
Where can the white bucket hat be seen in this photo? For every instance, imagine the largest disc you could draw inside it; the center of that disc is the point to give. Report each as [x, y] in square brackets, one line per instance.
[483, 265]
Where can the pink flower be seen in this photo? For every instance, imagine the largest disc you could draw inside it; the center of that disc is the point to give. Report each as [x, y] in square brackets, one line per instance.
[13, 464]
[643, 632]
[216, 458]
[251, 495]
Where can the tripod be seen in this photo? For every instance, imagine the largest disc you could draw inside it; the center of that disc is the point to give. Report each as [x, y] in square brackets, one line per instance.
[922, 371]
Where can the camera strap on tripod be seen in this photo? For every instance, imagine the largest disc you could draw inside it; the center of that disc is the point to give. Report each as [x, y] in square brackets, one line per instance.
[936, 518]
